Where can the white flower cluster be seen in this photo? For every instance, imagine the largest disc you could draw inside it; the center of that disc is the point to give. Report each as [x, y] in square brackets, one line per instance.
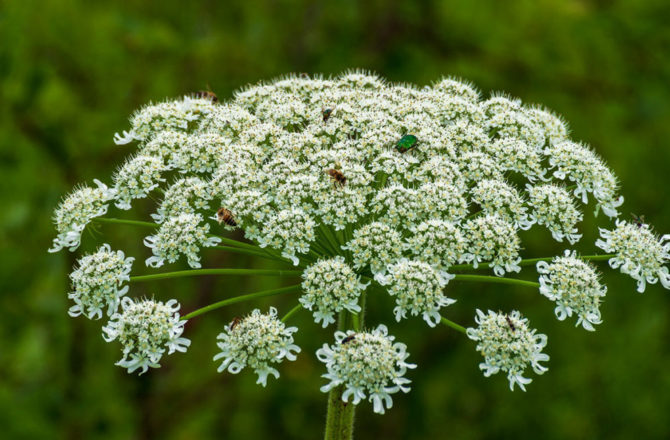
[137, 178]
[554, 208]
[183, 234]
[331, 286]
[145, 329]
[639, 253]
[97, 282]
[574, 286]
[257, 341]
[492, 238]
[74, 213]
[417, 288]
[368, 365]
[508, 345]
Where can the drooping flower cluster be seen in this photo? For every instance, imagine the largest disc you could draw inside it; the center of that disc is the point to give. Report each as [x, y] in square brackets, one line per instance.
[368, 364]
[330, 286]
[508, 345]
[74, 213]
[354, 179]
[145, 330]
[574, 286]
[639, 253]
[97, 282]
[257, 341]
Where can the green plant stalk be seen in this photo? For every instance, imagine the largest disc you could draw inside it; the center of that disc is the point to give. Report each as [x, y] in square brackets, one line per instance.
[197, 272]
[340, 415]
[292, 312]
[241, 298]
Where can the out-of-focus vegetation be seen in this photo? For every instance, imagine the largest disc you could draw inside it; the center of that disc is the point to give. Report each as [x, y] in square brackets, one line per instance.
[71, 71]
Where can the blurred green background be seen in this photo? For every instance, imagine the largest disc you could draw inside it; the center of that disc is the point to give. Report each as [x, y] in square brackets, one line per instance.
[71, 71]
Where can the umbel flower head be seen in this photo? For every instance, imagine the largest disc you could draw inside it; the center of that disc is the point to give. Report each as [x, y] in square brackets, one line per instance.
[74, 213]
[97, 282]
[508, 345]
[145, 330]
[330, 286]
[639, 253]
[257, 341]
[575, 287]
[369, 365]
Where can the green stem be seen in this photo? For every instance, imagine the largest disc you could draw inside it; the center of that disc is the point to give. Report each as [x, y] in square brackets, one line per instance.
[236, 250]
[196, 272]
[242, 298]
[340, 416]
[490, 279]
[292, 312]
[453, 325]
[531, 261]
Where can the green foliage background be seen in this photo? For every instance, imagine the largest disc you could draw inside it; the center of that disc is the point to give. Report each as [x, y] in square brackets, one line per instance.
[71, 71]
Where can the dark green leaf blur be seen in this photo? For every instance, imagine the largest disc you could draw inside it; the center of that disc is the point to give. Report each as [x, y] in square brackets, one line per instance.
[72, 71]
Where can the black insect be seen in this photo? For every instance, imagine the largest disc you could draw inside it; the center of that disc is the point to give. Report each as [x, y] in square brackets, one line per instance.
[639, 220]
[327, 113]
[348, 339]
[234, 323]
[510, 323]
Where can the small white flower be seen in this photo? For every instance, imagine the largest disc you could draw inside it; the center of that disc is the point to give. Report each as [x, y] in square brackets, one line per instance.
[291, 231]
[368, 365]
[257, 341]
[574, 286]
[508, 345]
[375, 244]
[498, 197]
[76, 211]
[330, 286]
[145, 329]
[185, 196]
[639, 253]
[179, 235]
[97, 282]
[492, 239]
[417, 288]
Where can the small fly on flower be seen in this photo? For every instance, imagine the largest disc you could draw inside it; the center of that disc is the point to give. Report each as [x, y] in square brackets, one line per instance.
[327, 113]
[348, 339]
[236, 320]
[224, 215]
[638, 219]
[510, 323]
[206, 94]
[337, 176]
[406, 143]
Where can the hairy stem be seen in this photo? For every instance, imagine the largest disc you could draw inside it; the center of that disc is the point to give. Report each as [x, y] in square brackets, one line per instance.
[340, 416]
[241, 298]
[197, 272]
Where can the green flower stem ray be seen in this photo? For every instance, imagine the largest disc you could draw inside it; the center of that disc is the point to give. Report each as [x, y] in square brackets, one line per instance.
[242, 298]
[452, 324]
[198, 272]
[498, 280]
[530, 262]
[292, 312]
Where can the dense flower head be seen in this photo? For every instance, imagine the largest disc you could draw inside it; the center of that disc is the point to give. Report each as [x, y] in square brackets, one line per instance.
[417, 288]
[376, 245]
[368, 364]
[330, 286]
[574, 286]
[639, 252]
[553, 207]
[184, 234]
[76, 210]
[498, 197]
[436, 242]
[137, 178]
[145, 329]
[97, 282]
[291, 230]
[184, 196]
[508, 345]
[257, 341]
[494, 240]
